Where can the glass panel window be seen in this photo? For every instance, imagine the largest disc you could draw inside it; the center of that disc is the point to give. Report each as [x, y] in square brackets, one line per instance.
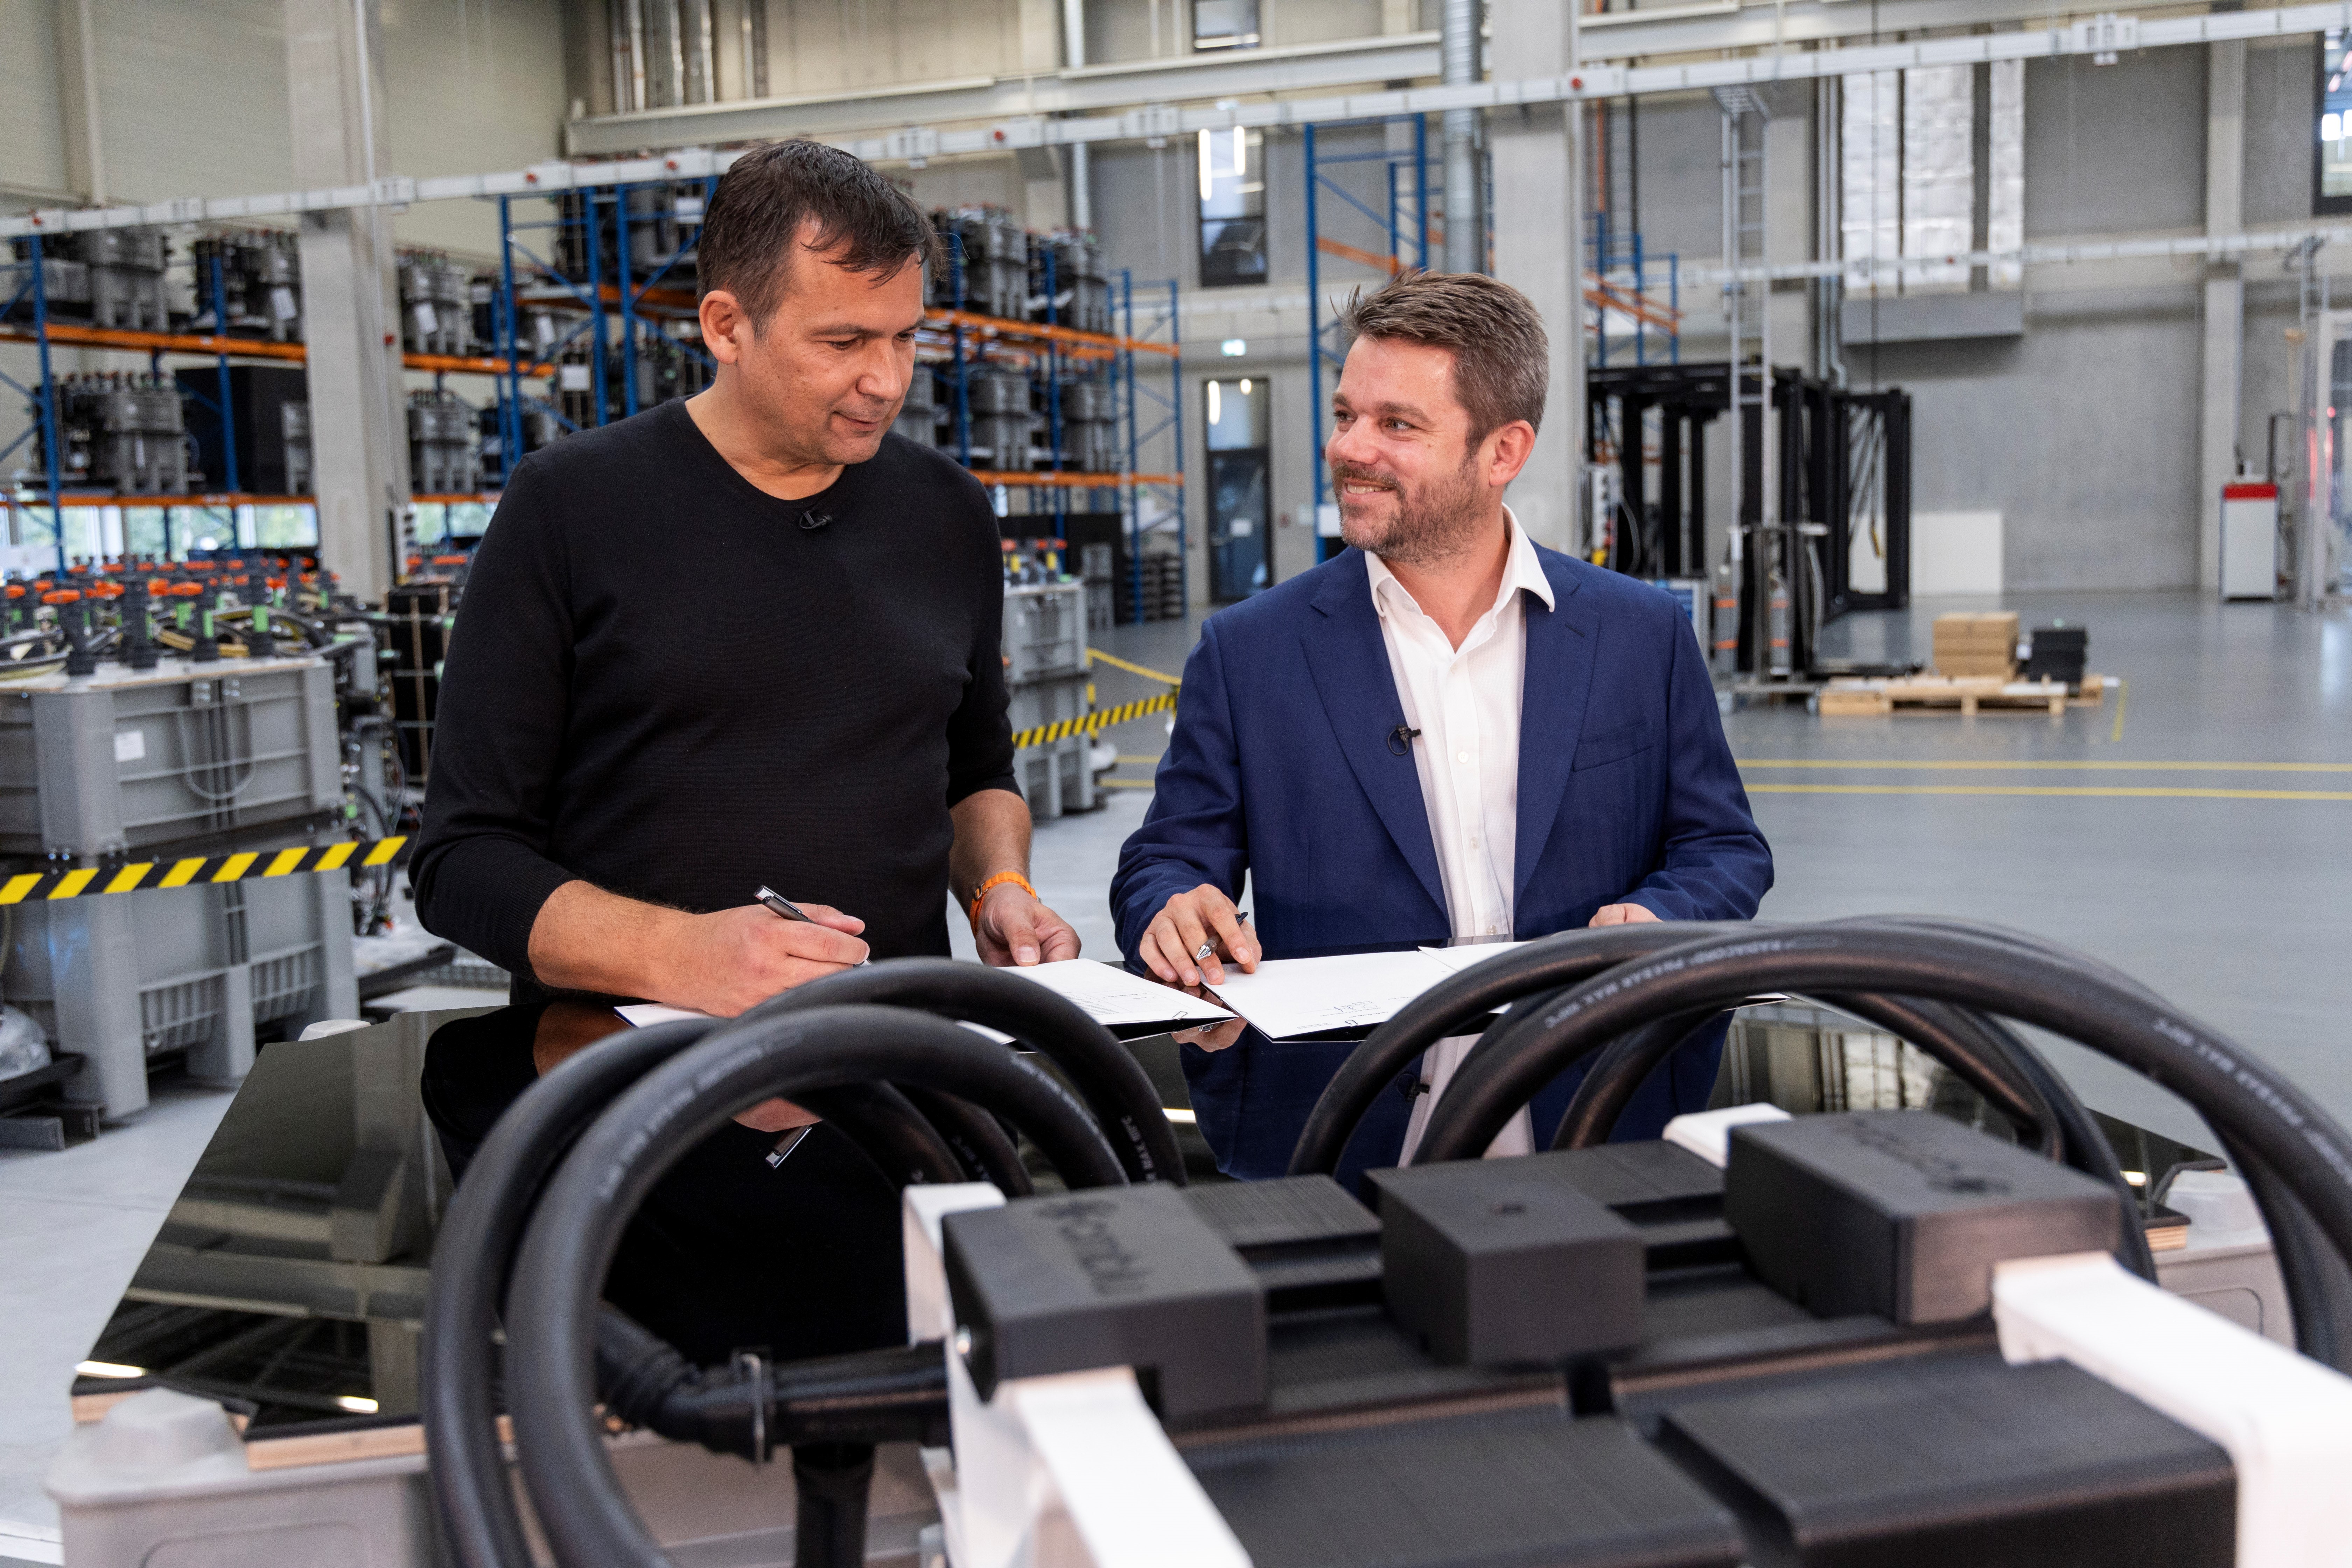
[1908, 176]
[2332, 178]
[1233, 206]
[1240, 466]
[1224, 24]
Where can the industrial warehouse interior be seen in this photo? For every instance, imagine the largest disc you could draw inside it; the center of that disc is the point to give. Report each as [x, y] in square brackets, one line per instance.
[1652, 865]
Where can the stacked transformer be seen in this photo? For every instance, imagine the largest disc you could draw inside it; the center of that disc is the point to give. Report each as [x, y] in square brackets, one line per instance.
[435, 306]
[995, 250]
[1045, 672]
[260, 285]
[1001, 418]
[122, 432]
[1089, 431]
[443, 457]
[108, 276]
[1079, 284]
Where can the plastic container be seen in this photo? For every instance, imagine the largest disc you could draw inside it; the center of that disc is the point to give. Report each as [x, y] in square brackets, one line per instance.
[1056, 778]
[124, 978]
[1044, 633]
[125, 762]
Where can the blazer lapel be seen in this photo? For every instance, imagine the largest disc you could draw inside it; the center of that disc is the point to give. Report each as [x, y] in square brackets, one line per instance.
[1349, 664]
[1552, 699]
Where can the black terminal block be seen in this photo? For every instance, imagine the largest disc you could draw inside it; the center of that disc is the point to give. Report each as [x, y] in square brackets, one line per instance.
[1492, 1263]
[1109, 1277]
[1573, 1494]
[1956, 1461]
[1309, 1244]
[1901, 1213]
[1648, 1183]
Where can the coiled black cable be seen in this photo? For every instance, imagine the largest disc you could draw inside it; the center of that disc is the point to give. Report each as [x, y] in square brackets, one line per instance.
[570, 1238]
[478, 1237]
[2259, 1114]
[1511, 977]
[1105, 1073]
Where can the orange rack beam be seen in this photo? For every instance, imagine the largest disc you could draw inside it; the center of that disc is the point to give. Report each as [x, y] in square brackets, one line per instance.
[74, 335]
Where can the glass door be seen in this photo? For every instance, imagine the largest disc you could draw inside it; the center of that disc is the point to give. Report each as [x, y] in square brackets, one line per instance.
[1240, 470]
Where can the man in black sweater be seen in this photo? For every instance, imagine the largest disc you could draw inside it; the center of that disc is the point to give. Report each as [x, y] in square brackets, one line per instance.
[751, 638]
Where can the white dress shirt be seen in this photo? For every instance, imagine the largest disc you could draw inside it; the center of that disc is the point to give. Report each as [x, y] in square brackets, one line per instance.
[1466, 703]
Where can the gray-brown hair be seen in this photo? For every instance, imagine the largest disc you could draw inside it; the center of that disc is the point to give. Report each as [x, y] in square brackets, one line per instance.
[763, 202]
[1501, 357]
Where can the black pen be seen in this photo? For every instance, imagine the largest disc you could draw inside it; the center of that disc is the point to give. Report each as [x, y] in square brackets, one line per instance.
[782, 906]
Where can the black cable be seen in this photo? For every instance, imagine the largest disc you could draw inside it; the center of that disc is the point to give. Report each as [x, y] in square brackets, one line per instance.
[478, 1235]
[829, 1487]
[1105, 1073]
[570, 1239]
[2240, 1097]
[886, 1126]
[1515, 976]
[1950, 1035]
[979, 1143]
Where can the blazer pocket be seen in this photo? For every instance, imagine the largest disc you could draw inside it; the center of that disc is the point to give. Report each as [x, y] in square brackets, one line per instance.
[1611, 745]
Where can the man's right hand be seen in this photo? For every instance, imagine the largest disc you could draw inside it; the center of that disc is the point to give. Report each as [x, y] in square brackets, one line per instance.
[1189, 921]
[727, 963]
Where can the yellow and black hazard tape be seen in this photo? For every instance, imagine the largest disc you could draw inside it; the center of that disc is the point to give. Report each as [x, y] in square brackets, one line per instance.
[199, 870]
[1098, 657]
[1102, 719]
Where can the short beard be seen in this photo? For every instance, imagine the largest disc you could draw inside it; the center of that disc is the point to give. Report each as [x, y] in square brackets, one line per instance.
[1432, 524]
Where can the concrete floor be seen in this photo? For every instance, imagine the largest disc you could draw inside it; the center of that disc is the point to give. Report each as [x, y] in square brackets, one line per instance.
[2226, 885]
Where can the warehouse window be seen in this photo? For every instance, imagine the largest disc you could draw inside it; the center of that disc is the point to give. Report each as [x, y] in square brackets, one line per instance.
[2331, 175]
[1932, 164]
[1224, 24]
[1232, 207]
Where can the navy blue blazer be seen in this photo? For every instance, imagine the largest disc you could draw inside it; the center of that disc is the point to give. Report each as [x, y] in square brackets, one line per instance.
[1279, 766]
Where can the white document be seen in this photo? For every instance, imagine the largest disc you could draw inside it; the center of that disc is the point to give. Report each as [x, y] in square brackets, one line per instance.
[1111, 996]
[1292, 996]
[645, 1014]
[1457, 958]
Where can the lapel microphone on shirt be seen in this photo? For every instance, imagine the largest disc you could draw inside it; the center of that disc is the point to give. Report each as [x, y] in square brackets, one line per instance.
[1401, 739]
[813, 521]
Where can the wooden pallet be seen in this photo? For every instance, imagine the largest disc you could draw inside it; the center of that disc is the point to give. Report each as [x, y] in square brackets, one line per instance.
[1963, 695]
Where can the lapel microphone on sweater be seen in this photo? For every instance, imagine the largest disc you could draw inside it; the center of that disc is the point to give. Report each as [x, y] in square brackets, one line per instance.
[1401, 739]
[813, 521]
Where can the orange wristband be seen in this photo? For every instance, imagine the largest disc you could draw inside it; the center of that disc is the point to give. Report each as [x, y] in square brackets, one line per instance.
[981, 896]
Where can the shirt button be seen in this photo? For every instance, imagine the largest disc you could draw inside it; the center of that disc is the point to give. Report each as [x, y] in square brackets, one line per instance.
[1463, 757]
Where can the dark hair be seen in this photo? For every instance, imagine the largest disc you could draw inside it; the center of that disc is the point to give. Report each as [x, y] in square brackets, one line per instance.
[771, 192]
[1501, 357]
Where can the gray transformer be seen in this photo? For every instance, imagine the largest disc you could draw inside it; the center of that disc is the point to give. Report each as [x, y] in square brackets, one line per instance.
[1002, 421]
[1081, 284]
[260, 284]
[918, 416]
[1089, 427]
[124, 432]
[995, 250]
[126, 277]
[436, 311]
[443, 447]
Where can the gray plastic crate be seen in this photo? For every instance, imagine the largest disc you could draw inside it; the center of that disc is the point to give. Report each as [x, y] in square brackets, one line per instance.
[124, 763]
[1045, 632]
[125, 977]
[1056, 778]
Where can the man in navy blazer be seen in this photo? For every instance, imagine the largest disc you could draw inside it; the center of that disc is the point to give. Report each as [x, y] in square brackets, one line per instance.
[1336, 737]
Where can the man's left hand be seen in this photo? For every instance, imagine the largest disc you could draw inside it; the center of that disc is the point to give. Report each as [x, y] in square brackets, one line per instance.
[1014, 928]
[1623, 915]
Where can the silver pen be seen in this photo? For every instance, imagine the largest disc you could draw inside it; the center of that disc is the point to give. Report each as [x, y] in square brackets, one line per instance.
[780, 905]
[1240, 916]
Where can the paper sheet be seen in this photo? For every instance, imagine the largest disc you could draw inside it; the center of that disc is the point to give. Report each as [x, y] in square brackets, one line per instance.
[1457, 958]
[1112, 995]
[1291, 996]
[645, 1014]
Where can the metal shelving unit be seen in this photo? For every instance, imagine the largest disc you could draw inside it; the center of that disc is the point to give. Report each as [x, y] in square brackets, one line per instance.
[26, 278]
